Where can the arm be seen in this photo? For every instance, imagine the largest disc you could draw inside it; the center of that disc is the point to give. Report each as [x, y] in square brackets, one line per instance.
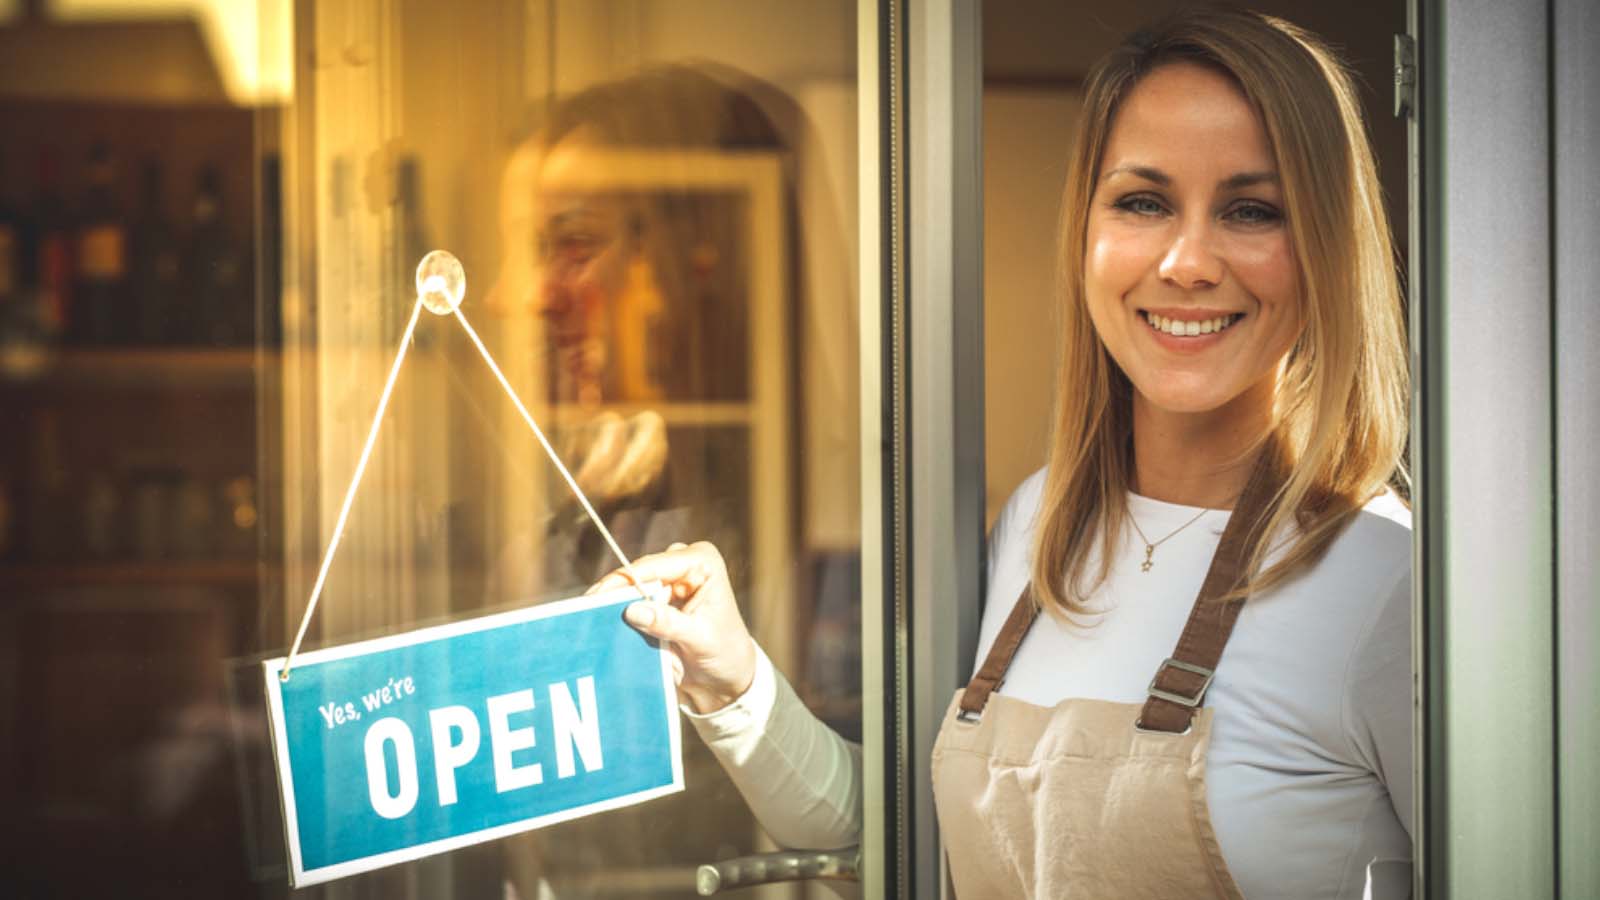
[800, 778]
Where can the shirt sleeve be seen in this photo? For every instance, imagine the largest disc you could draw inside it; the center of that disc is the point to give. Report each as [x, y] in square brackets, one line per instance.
[1378, 696]
[800, 778]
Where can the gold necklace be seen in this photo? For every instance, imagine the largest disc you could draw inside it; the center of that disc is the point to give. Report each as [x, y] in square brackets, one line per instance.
[1150, 546]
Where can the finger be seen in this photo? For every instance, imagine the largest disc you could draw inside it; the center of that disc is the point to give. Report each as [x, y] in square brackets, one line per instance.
[694, 581]
[663, 622]
[609, 582]
[686, 590]
[619, 578]
[669, 568]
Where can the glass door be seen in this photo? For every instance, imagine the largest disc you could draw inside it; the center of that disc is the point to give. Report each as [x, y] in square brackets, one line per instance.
[653, 204]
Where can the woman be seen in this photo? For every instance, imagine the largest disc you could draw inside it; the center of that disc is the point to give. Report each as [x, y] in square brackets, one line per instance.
[1230, 406]
[624, 277]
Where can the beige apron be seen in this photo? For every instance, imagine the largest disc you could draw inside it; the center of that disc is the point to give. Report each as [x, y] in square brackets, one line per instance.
[1093, 799]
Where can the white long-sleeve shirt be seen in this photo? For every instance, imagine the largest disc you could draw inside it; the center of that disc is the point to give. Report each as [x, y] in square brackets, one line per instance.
[1308, 774]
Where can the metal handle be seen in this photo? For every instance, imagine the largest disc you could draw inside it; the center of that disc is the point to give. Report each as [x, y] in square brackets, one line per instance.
[786, 865]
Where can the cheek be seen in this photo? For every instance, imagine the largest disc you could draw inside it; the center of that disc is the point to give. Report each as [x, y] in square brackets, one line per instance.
[1117, 257]
[1102, 255]
[1266, 268]
[604, 276]
[1100, 265]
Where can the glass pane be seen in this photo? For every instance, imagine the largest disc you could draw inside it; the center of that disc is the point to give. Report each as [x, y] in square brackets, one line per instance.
[216, 218]
[134, 538]
[647, 200]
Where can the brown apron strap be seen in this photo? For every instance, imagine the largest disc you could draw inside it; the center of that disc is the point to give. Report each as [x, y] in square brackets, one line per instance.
[1180, 683]
[993, 671]
[1179, 686]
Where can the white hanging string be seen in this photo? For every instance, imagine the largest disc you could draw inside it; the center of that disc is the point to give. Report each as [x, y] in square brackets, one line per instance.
[372, 438]
[539, 433]
[355, 482]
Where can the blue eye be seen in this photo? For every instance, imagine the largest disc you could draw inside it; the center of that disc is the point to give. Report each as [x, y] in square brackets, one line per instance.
[1141, 205]
[1254, 214]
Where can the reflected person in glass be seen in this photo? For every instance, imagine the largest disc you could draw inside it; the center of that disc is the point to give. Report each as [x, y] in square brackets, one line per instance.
[629, 246]
[636, 278]
[1230, 409]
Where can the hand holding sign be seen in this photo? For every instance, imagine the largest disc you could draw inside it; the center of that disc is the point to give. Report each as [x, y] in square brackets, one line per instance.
[714, 657]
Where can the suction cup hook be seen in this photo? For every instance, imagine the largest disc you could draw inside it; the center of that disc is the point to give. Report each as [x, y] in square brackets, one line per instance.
[441, 282]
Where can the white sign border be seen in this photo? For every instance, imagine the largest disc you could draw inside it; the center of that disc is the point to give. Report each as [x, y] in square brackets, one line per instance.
[301, 877]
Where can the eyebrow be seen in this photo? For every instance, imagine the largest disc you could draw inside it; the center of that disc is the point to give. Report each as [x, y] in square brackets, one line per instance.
[581, 215]
[1231, 183]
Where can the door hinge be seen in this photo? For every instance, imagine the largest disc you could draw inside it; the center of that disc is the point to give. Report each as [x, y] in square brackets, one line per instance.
[1405, 76]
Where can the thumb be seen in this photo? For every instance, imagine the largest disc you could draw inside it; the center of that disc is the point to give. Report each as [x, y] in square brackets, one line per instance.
[660, 620]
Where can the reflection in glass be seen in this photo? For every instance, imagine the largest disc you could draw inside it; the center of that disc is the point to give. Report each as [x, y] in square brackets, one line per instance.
[656, 262]
[210, 225]
[647, 225]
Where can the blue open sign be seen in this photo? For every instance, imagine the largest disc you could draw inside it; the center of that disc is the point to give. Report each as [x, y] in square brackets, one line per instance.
[410, 745]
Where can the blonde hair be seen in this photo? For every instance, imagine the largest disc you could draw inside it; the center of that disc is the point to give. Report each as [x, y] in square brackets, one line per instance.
[1340, 418]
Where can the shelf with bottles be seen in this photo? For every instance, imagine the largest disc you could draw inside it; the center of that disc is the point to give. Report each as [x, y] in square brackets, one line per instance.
[102, 483]
[131, 228]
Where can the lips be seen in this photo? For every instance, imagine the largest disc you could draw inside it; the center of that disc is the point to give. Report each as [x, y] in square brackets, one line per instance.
[1189, 325]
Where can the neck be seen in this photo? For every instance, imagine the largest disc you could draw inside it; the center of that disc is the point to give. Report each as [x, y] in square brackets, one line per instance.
[1199, 459]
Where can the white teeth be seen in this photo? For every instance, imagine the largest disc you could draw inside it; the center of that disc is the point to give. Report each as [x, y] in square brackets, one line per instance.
[1193, 328]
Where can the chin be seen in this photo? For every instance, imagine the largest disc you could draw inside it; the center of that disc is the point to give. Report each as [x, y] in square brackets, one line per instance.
[1188, 399]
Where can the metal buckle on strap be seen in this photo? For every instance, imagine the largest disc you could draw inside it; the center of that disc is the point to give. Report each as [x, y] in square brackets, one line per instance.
[1180, 699]
[1138, 725]
[968, 717]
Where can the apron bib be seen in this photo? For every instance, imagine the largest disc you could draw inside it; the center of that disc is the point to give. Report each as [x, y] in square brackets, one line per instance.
[1093, 799]
[1074, 802]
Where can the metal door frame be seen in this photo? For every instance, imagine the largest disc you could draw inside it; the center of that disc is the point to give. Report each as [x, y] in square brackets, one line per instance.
[922, 410]
[1506, 214]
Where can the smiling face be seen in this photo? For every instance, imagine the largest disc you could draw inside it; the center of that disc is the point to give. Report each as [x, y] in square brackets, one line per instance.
[1189, 273]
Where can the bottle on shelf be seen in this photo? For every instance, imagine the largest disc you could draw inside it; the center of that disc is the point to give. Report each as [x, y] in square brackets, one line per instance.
[52, 531]
[240, 518]
[17, 330]
[219, 302]
[48, 253]
[102, 523]
[104, 313]
[152, 506]
[156, 268]
[194, 518]
[10, 255]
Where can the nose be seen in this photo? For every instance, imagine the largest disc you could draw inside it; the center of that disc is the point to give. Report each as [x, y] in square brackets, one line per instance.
[555, 297]
[1191, 262]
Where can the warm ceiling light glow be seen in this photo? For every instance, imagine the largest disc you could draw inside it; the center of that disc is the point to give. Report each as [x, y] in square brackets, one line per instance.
[249, 39]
